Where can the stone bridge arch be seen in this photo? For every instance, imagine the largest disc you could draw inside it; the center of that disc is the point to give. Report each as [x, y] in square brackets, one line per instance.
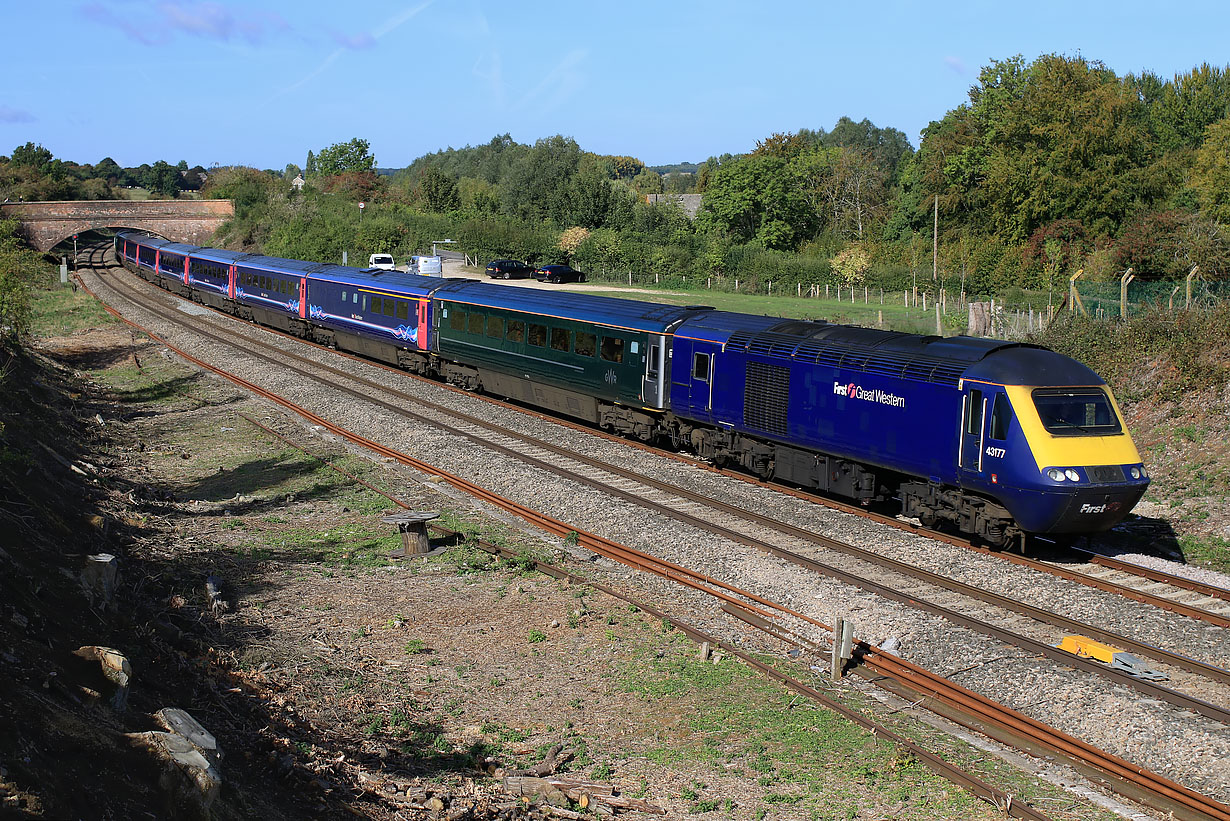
[46, 224]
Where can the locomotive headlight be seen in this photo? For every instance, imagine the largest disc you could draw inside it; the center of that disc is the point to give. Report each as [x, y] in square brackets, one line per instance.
[1055, 474]
[1072, 475]
[1135, 472]
[1144, 474]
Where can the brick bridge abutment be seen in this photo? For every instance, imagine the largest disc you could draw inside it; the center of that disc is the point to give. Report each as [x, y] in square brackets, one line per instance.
[46, 224]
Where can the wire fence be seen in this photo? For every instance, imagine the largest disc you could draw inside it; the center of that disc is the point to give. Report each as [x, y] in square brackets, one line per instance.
[1111, 300]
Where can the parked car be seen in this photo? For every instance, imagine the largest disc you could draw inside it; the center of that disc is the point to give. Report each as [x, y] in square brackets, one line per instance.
[384, 262]
[508, 269]
[558, 273]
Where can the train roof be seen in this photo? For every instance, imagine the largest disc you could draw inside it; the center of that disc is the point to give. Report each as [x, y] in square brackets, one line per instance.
[650, 317]
[410, 284]
[943, 360]
[158, 242]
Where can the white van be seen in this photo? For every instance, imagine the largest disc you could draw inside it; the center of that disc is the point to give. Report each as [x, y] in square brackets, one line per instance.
[382, 261]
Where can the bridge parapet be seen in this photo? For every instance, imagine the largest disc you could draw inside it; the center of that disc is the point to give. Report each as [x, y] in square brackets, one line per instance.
[45, 224]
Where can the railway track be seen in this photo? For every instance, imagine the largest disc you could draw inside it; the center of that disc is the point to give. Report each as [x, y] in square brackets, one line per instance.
[733, 599]
[682, 504]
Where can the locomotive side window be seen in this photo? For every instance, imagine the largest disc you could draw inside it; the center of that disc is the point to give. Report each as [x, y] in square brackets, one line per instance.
[475, 325]
[585, 344]
[559, 339]
[973, 415]
[538, 335]
[495, 327]
[516, 330]
[612, 349]
[1001, 414]
[700, 367]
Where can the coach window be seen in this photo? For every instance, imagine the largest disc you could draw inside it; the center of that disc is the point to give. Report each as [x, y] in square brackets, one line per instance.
[402, 309]
[495, 327]
[538, 335]
[390, 308]
[559, 339]
[475, 325]
[585, 344]
[516, 330]
[1000, 415]
[456, 320]
[700, 367]
[355, 297]
[612, 349]
[343, 296]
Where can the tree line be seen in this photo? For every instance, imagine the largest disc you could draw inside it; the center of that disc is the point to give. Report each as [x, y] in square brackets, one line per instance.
[32, 173]
[1049, 166]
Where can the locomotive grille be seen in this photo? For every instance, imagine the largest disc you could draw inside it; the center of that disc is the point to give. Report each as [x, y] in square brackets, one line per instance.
[767, 397]
[1105, 473]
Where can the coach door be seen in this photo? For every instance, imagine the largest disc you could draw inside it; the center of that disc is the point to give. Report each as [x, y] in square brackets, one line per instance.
[655, 372]
[973, 415]
[701, 376]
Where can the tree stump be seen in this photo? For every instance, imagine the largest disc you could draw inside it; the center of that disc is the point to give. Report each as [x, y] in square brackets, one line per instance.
[412, 525]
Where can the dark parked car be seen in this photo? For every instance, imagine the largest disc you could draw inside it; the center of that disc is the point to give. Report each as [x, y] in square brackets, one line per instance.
[508, 269]
[558, 273]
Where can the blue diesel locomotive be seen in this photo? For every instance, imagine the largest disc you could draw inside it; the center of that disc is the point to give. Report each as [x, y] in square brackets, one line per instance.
[999, 440]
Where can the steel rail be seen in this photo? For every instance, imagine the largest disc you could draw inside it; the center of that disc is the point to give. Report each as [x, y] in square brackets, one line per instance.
[1169, 695]
[1163, 788]
[1038, 565]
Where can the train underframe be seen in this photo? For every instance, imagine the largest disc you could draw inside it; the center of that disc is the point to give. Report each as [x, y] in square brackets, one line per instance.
[933, 504]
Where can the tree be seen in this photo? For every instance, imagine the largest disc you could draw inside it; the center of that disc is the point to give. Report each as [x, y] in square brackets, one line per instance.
[1210, 175]
[309, 168]
[163, 178]
[18, 269]
[437, 191]
[537, 185]
[342, 158]
[589, 194]
[32, 156]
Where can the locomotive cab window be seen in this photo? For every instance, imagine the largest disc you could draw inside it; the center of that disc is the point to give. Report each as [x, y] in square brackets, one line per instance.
[700, 367]
[1001, 415]
[1076, 412]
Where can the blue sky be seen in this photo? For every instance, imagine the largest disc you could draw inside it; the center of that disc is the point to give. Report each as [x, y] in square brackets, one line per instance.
[260, 82]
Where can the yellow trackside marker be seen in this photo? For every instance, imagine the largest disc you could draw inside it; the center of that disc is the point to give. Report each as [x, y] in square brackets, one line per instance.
[1087, 648]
